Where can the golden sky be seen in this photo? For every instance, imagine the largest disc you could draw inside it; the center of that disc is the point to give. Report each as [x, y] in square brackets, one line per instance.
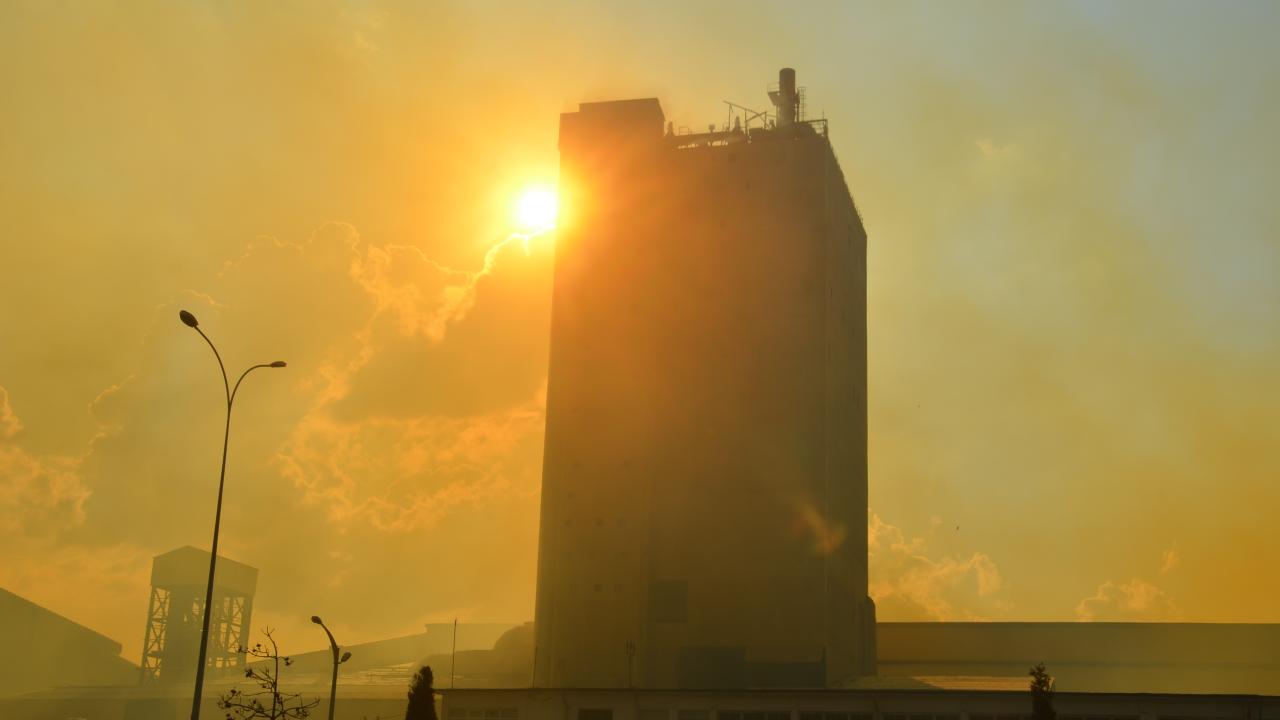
[1074, 274]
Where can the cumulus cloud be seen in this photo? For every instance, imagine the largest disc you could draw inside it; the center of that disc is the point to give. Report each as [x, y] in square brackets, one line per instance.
[365, 448]
[908, 583]
[42, 502]
[9, 422]
[380, 441]
[1134, 601]
[61, 575]
[403, 474]
[1137, 600]
[423, 295]
[39, 494]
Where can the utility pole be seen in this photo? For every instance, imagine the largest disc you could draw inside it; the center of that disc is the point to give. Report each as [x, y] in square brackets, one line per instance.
[453, 656]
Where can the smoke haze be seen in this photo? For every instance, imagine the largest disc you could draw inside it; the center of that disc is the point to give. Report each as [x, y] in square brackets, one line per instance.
[1073, 275]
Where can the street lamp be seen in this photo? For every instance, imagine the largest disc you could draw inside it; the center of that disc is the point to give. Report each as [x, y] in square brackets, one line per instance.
[190, 321]
[333, 687]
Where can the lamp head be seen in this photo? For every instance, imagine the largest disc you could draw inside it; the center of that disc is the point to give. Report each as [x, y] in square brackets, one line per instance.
[316, 619]
[187, 319]
[278, 364]
[345, 657]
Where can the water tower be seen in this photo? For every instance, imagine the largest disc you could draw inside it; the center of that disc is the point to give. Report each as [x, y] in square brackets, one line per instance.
[176, 611]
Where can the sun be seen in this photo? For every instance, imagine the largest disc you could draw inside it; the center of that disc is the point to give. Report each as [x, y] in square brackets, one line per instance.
[536, 209]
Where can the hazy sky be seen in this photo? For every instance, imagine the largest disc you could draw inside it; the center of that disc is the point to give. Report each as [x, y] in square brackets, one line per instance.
[1074, 263]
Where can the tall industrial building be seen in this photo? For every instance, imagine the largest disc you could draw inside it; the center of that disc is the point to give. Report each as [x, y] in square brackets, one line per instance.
[171, 643]
[704, 495]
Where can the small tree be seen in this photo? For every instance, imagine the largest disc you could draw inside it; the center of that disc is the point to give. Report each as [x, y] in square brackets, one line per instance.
[422, 697]
[1042, 694]
[267, 702]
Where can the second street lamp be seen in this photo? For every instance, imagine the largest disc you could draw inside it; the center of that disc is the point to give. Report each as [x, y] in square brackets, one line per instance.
[333, 644]
[190, 321]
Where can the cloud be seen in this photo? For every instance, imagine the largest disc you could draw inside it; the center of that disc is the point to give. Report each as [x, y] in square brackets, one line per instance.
[368, 448]
[383, 442]
[1134, 601]
[1137, 600]
[9, 422]
[990, 148]
[1169, 560]
[59, 576]
[425, 296]
[42, 501]
[908, 584]
[39, 494]
[403, 474]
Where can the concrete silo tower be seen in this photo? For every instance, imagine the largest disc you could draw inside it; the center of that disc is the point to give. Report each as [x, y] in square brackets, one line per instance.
[704, 496]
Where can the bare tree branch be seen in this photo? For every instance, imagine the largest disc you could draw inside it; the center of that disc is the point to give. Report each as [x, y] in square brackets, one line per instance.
[241, 705]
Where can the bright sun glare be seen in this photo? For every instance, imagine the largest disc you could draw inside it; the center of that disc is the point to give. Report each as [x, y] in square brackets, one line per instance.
[536, 209]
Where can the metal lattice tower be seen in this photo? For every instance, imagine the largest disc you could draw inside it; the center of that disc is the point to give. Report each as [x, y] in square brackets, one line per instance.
[176, 609]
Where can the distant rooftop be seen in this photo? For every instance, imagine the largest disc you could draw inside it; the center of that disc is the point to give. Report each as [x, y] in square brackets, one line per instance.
[189, 567]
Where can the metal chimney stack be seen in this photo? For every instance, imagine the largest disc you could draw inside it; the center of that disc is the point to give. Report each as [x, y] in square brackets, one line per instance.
[787, 101]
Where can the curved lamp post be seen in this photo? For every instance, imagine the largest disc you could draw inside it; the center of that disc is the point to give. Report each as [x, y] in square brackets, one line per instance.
[333, 687]
[190, 321]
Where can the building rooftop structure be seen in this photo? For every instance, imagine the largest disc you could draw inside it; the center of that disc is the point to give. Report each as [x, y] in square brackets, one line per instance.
[175, 615]
[43, 649]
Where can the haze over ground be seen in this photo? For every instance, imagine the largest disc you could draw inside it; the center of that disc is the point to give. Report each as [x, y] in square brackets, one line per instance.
[1073, 275]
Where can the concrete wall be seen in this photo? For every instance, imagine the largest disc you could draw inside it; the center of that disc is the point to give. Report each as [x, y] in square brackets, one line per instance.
[1107, 657]
[704, 486]
[582, 704]
[371, 703]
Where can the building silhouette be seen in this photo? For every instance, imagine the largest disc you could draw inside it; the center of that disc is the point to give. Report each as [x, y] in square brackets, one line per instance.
[44, 649]
[176, 611]
[704, 490]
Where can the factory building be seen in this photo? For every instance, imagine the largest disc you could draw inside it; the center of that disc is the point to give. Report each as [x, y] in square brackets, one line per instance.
[43, 649]
[704, 490]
